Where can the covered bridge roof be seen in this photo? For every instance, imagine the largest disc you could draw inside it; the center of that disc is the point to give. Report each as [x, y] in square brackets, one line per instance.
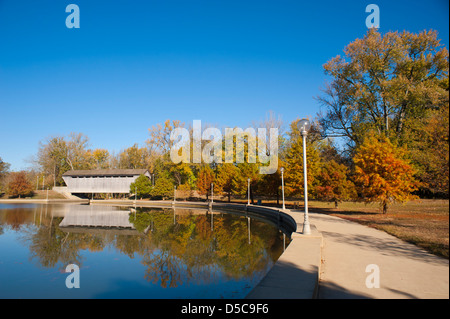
[106, 172]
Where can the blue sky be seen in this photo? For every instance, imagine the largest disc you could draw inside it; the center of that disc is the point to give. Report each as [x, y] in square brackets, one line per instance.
[133, 64]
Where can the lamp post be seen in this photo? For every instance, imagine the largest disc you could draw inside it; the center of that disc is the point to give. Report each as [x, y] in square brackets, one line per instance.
[212, 192]
[282, 185]
[304, 126]
[248, 190]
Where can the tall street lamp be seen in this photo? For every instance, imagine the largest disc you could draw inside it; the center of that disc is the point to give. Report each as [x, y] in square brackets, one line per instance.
[248, 190]
[282, 185]
[304, 125]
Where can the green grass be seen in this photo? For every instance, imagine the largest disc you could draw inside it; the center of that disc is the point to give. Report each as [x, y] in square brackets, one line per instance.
[40, 195]
[424, 223]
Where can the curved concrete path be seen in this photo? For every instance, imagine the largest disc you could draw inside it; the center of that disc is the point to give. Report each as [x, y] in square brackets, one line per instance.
[405, 270]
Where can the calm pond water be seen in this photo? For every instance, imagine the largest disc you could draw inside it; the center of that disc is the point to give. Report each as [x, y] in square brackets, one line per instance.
[132, 253]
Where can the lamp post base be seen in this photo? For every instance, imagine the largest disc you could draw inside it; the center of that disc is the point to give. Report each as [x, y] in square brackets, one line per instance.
[306, 225]
[306, 229]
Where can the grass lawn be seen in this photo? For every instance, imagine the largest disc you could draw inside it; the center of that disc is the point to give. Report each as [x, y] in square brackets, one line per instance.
[422, 222]
[41, 195]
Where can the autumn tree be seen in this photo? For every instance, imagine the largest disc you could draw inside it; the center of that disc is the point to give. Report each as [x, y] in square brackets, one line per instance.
[159, 145]
[59, 154]
[77, 155]
[333, 183]
[270, 185]
[382, 82]
[244, 172]
[428, 140]
[52, 158]
[133, 157]
[224, 179]
[159, 140]
[293, 158]
[397, 85]
[101, 158]
[204, 180]
[383, 172]
[19, 185]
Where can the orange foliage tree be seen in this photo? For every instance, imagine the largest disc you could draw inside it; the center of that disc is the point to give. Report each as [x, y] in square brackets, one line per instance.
[333, 183]
[19, 185]
[204, 180]
[383, 172]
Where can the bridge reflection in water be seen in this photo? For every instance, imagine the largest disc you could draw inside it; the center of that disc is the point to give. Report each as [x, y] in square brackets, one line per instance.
[85, 218]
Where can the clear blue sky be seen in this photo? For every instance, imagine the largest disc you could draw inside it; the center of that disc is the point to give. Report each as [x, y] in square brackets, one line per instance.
[134, 64]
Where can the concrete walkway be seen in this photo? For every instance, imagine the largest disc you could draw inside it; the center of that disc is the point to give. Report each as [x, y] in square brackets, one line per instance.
[405, 270]
[295, 275]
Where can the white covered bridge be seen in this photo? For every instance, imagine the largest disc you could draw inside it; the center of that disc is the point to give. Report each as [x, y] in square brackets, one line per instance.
[108, 181]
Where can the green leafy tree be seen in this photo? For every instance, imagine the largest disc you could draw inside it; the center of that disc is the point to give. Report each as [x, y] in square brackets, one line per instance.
[4, 168]
[142, 186]
[164, 187]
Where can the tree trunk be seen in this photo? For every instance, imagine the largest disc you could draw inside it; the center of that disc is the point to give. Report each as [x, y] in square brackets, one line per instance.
[385, 208]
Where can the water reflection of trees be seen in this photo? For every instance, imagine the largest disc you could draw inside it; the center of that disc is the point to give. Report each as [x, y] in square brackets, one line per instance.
[196, 246]
[174, 249]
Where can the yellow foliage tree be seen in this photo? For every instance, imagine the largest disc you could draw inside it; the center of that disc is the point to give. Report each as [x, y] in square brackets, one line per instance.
[293, 161]
[383, 172]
